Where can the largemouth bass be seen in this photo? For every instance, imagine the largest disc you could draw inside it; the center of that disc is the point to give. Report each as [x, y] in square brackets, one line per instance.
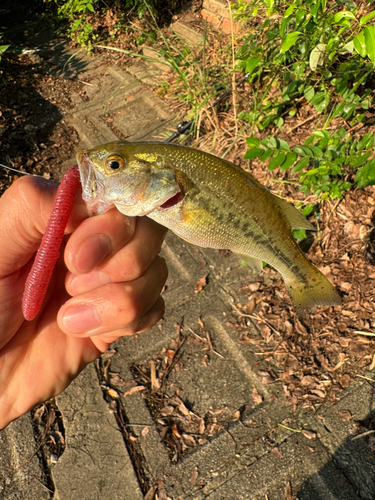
[207, 201]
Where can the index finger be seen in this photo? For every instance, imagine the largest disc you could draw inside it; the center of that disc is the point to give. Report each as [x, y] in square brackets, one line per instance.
[127, 264]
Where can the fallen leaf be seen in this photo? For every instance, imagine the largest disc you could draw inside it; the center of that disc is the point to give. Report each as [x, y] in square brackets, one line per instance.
[344, 415]
[257, 398]
[150, 495]
[372, 366]
[113, 394]
[202, 426]
[200, 284]
[308, 434]
[189, 440]
[145, 431]
[345, 380]
[134, 390]
[194, 476]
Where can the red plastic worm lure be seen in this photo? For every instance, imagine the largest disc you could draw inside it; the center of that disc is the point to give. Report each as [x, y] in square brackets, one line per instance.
[40, 274]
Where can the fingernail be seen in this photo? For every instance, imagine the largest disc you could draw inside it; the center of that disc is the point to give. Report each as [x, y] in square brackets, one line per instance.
[93, 252]
[82, 283]
[81, 318]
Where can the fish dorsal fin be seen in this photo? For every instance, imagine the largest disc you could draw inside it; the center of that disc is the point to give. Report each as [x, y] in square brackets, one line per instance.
[295, 218]
[253, 262]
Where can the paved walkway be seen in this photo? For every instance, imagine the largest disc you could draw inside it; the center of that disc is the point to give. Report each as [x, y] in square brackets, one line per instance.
[114, 448]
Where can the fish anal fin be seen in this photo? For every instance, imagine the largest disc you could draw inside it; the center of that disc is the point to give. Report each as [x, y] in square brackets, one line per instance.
[253, 262]
[294, 216]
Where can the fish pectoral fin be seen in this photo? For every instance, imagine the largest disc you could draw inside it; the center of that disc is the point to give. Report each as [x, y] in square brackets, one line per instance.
[294, 216]
[253, 262]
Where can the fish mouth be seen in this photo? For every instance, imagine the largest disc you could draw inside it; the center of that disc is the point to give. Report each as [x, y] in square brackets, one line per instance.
[171, 202]
[93, 189]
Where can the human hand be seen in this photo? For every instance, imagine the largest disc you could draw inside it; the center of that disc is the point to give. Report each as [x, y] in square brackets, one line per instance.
[106, 285]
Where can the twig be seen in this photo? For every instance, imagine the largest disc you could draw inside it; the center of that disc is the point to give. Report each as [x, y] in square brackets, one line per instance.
[364, 434]
[366, 378]
[256, 317]
[302, 123]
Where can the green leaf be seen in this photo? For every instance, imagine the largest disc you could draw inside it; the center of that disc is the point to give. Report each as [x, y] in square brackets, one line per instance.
[345, 14]
[276, 161]
[289, 160]
[370, 42]
[307, 151]
[290, 40]
[365, 19]
[317, 152]
[349, 47]
[309, 92]
[289, 10]
[252, 141]
[301, 164]
[317, 56]
[299, 234]
[90, 7]
[267, 154]
[253, 153]
[320, 133]
[252, 63]
[308, 209]
[359, 44]
[3, 48]
[360, 159]
[299, 151]
[366, 175]
[283, 145]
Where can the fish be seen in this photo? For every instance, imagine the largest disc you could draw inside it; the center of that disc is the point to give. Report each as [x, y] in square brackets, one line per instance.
[207, 201]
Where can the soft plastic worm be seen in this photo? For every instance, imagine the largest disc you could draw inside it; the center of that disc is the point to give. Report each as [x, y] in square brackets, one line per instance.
[40, 274]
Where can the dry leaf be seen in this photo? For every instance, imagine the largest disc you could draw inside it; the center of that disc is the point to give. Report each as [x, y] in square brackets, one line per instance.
[134, 390]
[170, 353]
[344, 415]
[175, 431]
[189, 440]
[182, 409]
[113, 394]
[145, 431]
[236, 415]
[200, 284]
[202, 426]
[150, 495]
[108, 354]
[308, 434]
[257, 398]
[194, 476]
[345, 380]
[372, 366]
[205, 360]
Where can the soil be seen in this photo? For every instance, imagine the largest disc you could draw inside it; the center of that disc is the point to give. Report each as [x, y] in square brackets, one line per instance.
[314, 357]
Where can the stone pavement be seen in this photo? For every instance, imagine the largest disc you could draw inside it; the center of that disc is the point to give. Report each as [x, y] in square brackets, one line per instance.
[113, 446]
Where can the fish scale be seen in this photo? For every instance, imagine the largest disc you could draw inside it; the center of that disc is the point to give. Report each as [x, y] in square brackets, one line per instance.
[207, 201]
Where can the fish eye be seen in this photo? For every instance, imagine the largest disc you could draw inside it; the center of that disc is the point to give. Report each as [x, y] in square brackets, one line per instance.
[114, 162]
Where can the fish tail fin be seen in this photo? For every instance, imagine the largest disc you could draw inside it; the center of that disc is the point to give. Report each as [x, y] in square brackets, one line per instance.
[316, 291]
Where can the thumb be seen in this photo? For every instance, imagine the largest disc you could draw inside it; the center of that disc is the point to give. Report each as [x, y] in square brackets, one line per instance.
[24, 211]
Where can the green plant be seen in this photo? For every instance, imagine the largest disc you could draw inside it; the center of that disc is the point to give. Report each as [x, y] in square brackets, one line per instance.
[307, 49]
[79, 15]
[3, 48]
[326, 162]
